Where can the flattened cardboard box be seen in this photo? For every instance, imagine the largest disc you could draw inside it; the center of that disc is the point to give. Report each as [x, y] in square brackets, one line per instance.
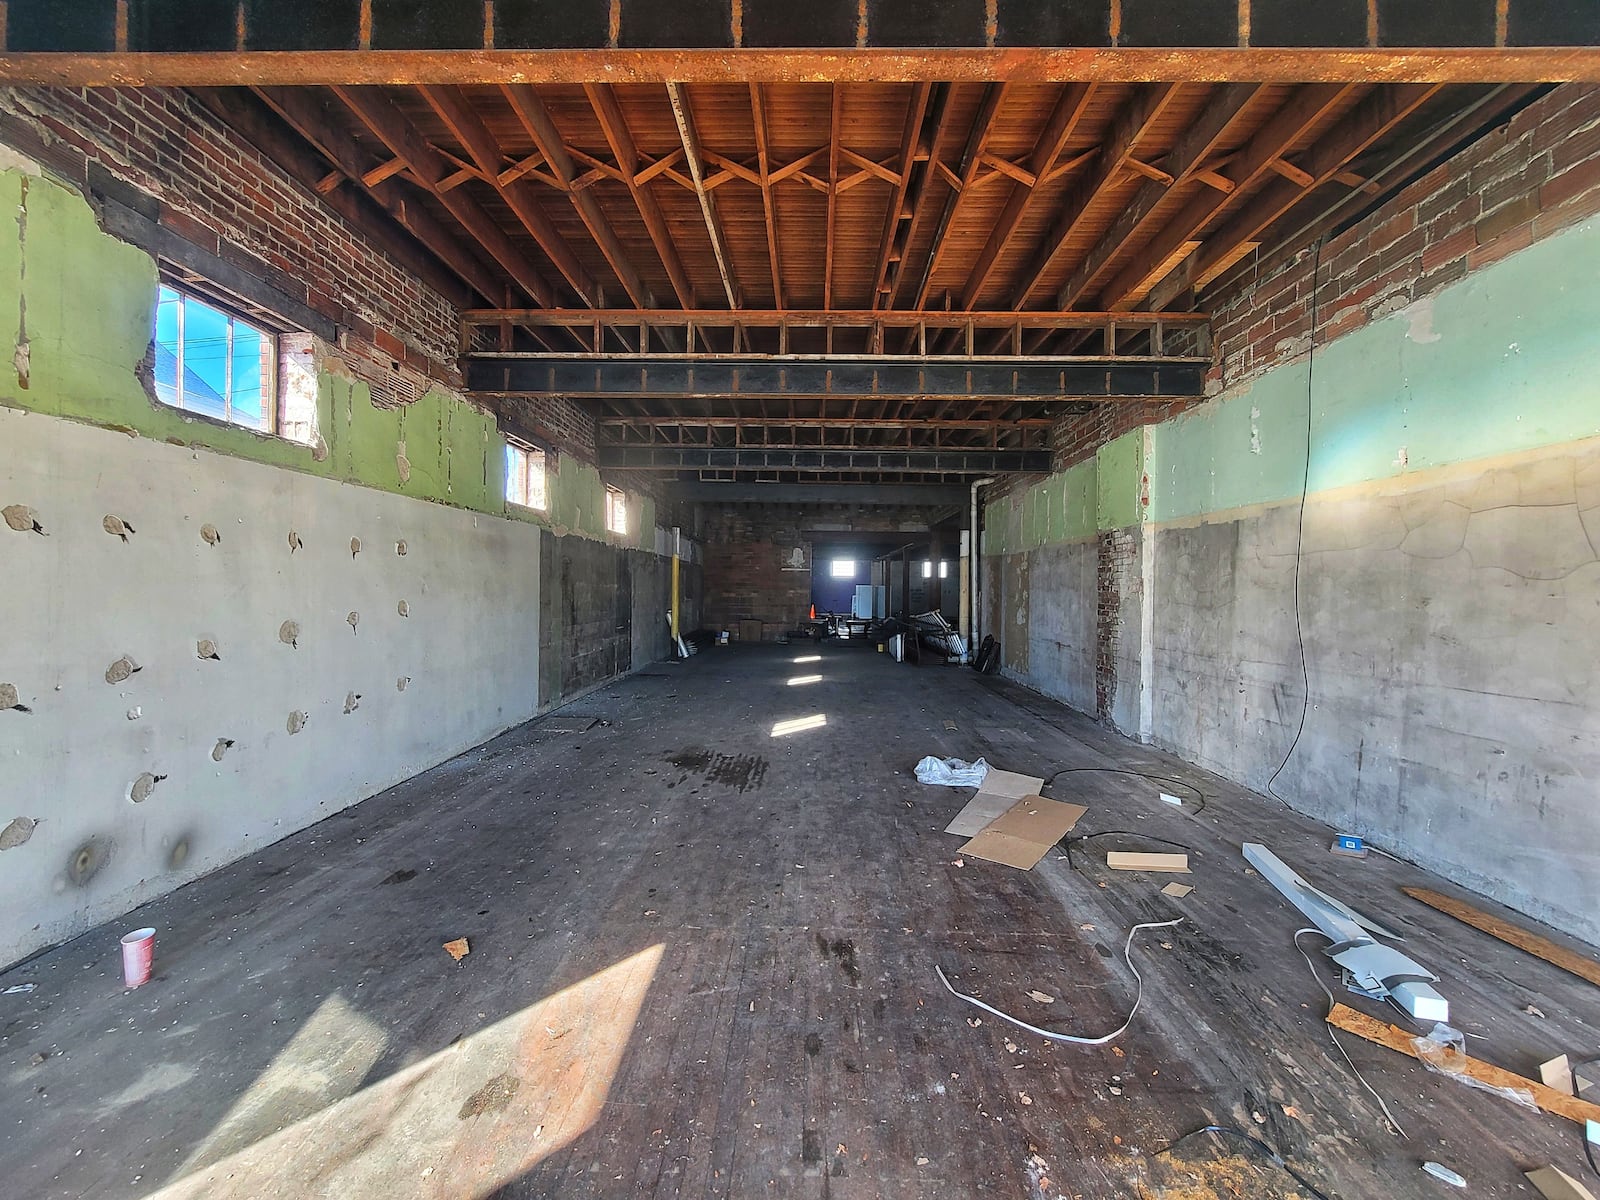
[1024, 833]
[1000, 790]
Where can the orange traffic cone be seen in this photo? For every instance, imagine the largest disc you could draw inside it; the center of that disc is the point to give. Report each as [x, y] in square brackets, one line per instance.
[813, 612]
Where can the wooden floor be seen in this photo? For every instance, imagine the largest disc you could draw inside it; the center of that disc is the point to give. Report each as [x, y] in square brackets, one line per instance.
[702, 964]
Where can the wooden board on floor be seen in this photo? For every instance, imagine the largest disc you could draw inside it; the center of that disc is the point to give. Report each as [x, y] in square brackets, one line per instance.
[1395, 1038]
[1131, 860]
[1514, 935]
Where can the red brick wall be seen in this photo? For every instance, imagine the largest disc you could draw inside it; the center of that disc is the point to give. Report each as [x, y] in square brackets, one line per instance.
[744, 546]
[222, 194]
[1537, 174]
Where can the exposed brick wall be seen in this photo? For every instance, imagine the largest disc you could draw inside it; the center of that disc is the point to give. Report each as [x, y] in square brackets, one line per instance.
[1534, 176]
[219, 192]
[745, 545]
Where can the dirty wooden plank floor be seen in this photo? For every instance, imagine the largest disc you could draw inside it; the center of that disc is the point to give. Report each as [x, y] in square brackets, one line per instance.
[702, 965]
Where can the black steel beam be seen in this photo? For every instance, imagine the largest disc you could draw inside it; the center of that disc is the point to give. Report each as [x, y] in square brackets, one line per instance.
[191, 26]
[958, 462]
[865, 494]
[881, 378]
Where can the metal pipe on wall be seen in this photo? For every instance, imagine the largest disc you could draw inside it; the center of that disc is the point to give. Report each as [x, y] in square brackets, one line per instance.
[975, 572]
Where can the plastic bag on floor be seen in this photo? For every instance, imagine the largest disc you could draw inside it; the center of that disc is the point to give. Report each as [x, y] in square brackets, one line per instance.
[1443, 1050]
[952, 772]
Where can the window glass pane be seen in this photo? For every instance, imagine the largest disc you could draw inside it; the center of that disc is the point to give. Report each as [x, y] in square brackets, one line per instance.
[513, 474]
[843, 568]
[251, 404]
[205, 359]
[210, 363]
[535, 489]
[166, 346]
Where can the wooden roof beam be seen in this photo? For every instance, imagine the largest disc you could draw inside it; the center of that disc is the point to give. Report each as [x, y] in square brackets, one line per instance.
[391, 127]
[971, 159]
[758, 116]
[467, 127]
[615, 127]
[1285, 129]
[1130, 126]
[1370, 120]
[536, 120]
[678, 97]
[306, 112]
[1063, 122]
[923, 189]
[1195, 147]
[915, 112]
[836, 103]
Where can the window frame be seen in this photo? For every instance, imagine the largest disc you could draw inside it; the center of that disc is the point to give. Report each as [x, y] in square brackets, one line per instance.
[271, 357]
[616, 511]
[528, 451]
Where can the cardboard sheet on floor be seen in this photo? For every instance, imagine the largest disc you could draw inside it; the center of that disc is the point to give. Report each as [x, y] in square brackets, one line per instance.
[1555, 1184]
[1000, 790]
[1024, 833]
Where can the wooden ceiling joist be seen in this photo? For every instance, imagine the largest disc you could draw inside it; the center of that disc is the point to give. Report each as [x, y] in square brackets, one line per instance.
[379, 114]
[1132, 124]
[1284, 130]
[536, 121]
[602, 99]
[1379, 112]
[684, 117]
[468, 128]
[1059, 128]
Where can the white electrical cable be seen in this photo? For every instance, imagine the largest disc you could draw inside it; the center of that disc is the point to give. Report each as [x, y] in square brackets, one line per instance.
[1389, 1116]
[1127, 954]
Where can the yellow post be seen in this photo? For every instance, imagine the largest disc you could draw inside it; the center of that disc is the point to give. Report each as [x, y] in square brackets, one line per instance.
[676, 537]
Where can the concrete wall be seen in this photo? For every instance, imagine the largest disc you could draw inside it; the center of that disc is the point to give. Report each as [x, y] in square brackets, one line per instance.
[1449, 580]
[213, 735]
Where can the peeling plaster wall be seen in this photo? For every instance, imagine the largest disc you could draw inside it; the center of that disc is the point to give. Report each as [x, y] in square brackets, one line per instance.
[76, 599]
[247, 704]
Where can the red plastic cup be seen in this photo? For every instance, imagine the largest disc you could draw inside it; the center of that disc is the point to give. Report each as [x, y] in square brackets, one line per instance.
[138, 955]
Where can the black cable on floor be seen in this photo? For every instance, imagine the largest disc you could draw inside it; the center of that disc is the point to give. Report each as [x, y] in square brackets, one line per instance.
[1272, 1155]
[1300, 532]
[1200, 797]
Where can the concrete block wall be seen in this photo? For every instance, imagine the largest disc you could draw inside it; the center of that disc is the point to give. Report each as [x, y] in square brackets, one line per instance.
[1449, 550]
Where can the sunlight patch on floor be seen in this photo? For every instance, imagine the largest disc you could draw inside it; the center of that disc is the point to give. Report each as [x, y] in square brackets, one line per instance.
[463, 1122]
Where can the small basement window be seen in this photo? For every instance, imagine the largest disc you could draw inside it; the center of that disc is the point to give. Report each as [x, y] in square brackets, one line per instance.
[944, 568]
[616, 510]
[842, 568]
[525, 481]
[213, 363]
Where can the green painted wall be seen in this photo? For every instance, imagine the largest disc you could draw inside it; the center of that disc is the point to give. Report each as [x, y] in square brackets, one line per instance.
[1119, 475]
[1439, 381]
[1099, 493]
[83, 304]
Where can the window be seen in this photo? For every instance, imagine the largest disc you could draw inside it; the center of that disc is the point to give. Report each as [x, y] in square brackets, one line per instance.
[944, 568]
[525, 484]
[616, 510]
[213, 363]
[842, 568]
